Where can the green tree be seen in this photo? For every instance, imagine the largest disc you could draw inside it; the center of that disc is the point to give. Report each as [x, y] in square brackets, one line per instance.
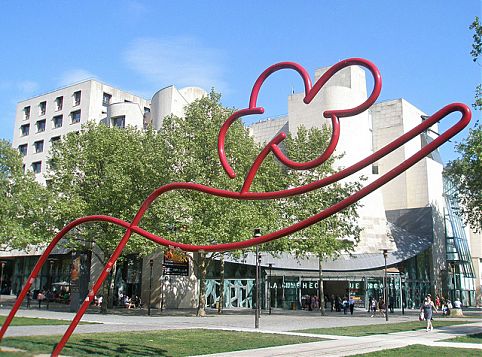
[24, 204]
[465, 174]
[331, 236]
[476, 52]
[204, 219]
[108, 171]
[325, 237]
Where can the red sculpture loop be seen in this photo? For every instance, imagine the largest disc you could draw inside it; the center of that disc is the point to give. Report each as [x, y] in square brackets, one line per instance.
[245, 194]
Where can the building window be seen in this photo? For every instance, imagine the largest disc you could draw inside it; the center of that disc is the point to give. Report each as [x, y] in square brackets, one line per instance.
[147, 110]
[22, 149]
[75, 117]
[54, 139]
[119, 122]
[40, 125]
[375, 169]
[37, 167]
[26, 113]
[76, 98]
[42, 108]
[58, 121]
[39, 146]
[59, 103]
[25, 129]
[106, 98]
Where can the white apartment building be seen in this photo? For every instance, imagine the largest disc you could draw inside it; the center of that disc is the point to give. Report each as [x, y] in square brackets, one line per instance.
[44, 119]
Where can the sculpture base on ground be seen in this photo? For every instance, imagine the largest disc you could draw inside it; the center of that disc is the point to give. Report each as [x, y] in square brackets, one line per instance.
[456, 313]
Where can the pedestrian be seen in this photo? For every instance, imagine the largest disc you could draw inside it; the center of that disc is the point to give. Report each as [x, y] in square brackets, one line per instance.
[381, 307]
[332, 300]
[374, 307]
[351, 302]
[427, 309]
[345, 305]
[29, 298]
[40, 298]
[391, 303]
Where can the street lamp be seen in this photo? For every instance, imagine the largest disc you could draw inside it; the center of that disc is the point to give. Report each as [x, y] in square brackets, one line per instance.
[257, 233]
[1, 279]
[270, 265]
[385, 253]
[151, 263]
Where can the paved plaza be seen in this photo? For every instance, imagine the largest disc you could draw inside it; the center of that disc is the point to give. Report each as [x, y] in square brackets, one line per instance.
[280, 322]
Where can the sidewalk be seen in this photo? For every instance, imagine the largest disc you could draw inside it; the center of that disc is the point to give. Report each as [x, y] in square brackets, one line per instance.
[280, 321]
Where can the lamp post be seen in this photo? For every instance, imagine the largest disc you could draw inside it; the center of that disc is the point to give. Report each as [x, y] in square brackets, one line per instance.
[51, 263]
[257, 233]
[151, 263]
[269, 288]
[385, 253]
[1, 278]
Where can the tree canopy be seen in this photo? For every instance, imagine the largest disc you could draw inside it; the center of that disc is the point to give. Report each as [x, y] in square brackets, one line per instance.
[107, 171]
[465, 174]
[336, 233]
[24, 203]
[475, 53]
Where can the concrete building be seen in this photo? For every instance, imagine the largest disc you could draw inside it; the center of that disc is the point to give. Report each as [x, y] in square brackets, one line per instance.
[409, 217]
[42, 120]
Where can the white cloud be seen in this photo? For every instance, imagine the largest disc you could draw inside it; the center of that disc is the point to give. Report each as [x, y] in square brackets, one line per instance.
[27, 86]
[24, 87]
[135, 9]
[181, 61]
[74, 76]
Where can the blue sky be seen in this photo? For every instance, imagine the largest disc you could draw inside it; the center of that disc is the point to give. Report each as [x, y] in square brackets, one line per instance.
[421, 47]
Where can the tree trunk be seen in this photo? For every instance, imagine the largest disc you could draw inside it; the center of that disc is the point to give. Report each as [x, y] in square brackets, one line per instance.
[322, 292]
[221, 288]
[107, 291]
[201, 311]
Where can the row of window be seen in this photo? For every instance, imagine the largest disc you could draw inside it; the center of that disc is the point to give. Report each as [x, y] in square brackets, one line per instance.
[57, 122]
[58, 103]
[38, 146]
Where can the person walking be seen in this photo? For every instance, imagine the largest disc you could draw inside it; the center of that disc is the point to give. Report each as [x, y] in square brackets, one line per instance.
[40, 298]
[351, 302]
[428, 308]
[374, 307]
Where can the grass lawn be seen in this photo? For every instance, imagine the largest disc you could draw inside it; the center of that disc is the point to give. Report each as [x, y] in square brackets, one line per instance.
[476, 338]
[33, 321]
[367, 330]
[157, 343]
[425, 351]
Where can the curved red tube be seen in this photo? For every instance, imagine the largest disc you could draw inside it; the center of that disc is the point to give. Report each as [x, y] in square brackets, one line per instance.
[244, 194]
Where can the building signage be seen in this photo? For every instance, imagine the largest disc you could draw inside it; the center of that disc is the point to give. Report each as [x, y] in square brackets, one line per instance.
[309, 284]
[175, 263]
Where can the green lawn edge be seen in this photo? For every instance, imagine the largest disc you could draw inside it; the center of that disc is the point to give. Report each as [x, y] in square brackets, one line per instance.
[38, 321]
[156, 343]
[378, 329]
[473, 338]
[423, 350]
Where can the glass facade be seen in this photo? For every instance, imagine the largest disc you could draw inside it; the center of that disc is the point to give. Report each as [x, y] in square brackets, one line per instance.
[460, 272]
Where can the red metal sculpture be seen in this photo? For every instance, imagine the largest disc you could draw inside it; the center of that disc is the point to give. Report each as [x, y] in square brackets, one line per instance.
[245, 194]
